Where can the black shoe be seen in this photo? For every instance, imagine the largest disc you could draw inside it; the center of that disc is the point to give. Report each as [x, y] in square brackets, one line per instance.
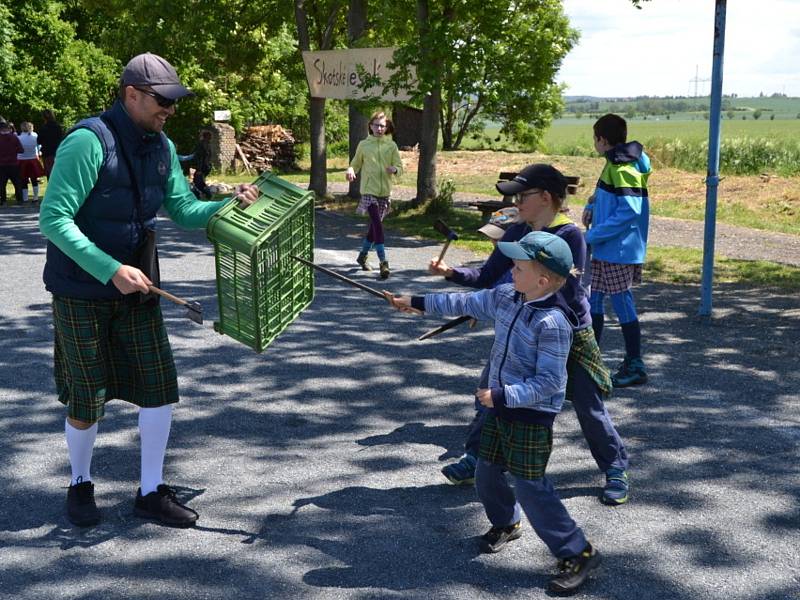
[362, 260]
[573, 571]
[385, 270]
[497, 537]
[162, 505]
[81, 508]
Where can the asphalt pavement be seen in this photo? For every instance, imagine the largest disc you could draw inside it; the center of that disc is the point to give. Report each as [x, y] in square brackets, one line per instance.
[315, 465]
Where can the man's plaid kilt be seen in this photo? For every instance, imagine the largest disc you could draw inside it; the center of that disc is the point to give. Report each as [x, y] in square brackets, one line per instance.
[585, 354]
[106, 349]
[522, 448]
[614, 278]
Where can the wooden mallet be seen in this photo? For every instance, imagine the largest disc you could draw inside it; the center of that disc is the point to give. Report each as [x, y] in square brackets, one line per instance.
[448, 233]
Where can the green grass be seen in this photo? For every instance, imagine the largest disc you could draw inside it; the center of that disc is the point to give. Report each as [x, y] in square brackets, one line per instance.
[775, 216]
[664, 264]
[684, 265]
[578, 132]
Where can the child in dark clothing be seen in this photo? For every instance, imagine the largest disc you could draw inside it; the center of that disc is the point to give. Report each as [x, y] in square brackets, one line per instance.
[10, 147]
[462, 472]
[202, 158]
[526, 385]
[540, 191]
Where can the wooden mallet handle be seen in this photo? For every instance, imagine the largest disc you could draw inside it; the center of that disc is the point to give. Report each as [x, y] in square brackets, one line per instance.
[444, 250]
[167, 295]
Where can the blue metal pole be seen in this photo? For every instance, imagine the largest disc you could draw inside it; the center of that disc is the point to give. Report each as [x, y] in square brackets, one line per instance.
[712, 178]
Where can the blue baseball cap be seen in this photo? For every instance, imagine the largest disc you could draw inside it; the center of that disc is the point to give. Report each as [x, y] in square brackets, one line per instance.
[545, 248]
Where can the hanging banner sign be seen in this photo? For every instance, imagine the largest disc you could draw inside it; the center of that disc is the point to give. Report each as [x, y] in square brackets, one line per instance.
[341, 73]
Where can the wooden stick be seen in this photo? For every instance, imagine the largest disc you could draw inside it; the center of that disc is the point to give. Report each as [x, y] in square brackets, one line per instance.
[245, 162]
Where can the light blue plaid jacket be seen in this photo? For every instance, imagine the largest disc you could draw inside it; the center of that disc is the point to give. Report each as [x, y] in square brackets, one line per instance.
[531, 343]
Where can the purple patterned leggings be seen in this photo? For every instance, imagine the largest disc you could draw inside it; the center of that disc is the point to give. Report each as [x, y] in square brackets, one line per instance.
[375, 231]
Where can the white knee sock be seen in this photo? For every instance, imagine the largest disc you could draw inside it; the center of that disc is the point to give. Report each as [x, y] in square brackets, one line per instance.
[36, 193]
[80, 443]
[154, 424]
[25, 194]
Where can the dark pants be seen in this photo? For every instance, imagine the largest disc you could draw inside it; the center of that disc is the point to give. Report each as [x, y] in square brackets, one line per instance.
[48, 165]
[604, 442]
[199, 181]
[10, 173]
[473, 443]
[375, 231]
[540, 502]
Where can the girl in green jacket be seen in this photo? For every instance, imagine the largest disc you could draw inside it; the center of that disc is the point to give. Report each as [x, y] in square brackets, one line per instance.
[378, 160]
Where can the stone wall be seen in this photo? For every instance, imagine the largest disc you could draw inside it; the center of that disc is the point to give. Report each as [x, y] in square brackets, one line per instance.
[223, 146]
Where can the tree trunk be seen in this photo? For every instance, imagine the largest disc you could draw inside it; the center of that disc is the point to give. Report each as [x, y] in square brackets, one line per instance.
[357, 125]
[319, 172]
[429, 138]
[357, 132]
[462, 130]
[429, 141]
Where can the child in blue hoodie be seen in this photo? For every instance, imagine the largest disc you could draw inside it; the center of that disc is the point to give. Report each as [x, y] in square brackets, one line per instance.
[527, 382]
[619, 215]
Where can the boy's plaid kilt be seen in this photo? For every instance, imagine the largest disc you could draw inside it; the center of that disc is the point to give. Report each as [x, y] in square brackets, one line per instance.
[522, 448]
[614, 278]
[585, 354]
[106, 349]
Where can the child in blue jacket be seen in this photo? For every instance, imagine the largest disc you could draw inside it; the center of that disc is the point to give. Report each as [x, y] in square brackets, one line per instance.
[527, 382]
[619, 215]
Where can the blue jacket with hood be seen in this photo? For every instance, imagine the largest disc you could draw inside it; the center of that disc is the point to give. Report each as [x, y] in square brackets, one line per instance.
[621, 208]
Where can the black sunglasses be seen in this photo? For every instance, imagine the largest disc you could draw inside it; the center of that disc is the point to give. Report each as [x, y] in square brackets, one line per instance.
[160, 100]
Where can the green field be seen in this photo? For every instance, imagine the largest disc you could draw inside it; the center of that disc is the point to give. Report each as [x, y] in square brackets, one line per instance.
[570, 133]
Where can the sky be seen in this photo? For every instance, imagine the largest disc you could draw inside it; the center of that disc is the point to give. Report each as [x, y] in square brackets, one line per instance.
[660, 49]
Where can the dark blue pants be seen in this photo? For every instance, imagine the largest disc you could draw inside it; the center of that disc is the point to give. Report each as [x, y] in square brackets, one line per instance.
[473, 443]
[540, 502]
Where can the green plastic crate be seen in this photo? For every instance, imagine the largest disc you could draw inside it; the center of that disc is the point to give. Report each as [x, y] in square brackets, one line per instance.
[260, 288]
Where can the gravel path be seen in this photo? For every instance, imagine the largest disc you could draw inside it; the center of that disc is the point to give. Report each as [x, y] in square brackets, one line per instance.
[731, 241]
[315, 465]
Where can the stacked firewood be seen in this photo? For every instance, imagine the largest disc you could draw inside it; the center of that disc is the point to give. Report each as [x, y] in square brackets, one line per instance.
[269, 147]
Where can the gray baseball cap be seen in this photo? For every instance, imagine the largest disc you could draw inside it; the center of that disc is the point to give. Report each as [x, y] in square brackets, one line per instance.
[153, 71]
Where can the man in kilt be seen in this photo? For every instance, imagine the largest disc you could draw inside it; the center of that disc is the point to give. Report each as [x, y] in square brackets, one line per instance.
[525, 390]
[113, 173]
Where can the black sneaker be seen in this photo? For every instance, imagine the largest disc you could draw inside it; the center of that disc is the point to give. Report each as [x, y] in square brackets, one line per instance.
[497, 537]
[81, 508]
[573, 571]
[162, 505]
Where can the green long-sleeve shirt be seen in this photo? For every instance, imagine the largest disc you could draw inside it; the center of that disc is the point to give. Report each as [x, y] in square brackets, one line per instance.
[372, 156]
[78, 163]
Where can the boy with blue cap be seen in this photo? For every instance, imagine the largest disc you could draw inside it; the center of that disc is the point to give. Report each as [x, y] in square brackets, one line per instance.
[526, 388]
